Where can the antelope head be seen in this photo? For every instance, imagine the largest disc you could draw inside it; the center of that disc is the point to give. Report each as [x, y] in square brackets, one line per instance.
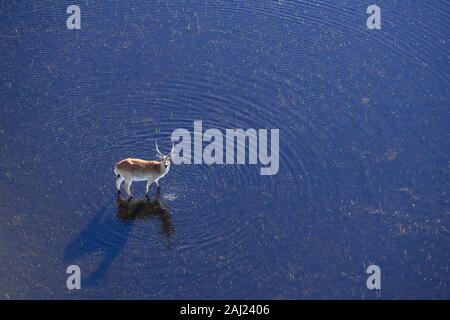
[165, 158]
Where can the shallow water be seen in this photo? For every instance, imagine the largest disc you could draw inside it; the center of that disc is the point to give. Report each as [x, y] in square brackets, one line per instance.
[364, 153]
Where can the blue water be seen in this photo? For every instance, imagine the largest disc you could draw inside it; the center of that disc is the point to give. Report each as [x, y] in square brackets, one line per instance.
[364, 149]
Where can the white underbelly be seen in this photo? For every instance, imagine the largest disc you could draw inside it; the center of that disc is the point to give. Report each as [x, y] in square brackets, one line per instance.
[140, 178]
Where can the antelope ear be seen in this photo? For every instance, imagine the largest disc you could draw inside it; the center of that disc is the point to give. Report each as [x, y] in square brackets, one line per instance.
[159, 156]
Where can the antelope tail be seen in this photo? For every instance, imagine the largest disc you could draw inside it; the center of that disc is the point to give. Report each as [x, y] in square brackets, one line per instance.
[116, 172]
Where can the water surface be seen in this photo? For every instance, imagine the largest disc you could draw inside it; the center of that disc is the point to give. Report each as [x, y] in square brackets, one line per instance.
[364, 149]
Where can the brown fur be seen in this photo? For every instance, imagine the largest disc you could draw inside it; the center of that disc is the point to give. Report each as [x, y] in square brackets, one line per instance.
[139, 165]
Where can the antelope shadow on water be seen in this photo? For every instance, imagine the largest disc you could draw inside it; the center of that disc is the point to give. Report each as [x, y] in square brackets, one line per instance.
[107, 233]
[129, 210]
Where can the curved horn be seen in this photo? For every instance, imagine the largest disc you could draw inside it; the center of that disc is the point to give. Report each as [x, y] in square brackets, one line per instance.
[157, 149]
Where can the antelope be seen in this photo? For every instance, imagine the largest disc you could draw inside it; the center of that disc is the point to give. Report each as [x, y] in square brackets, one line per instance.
[130, 170]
